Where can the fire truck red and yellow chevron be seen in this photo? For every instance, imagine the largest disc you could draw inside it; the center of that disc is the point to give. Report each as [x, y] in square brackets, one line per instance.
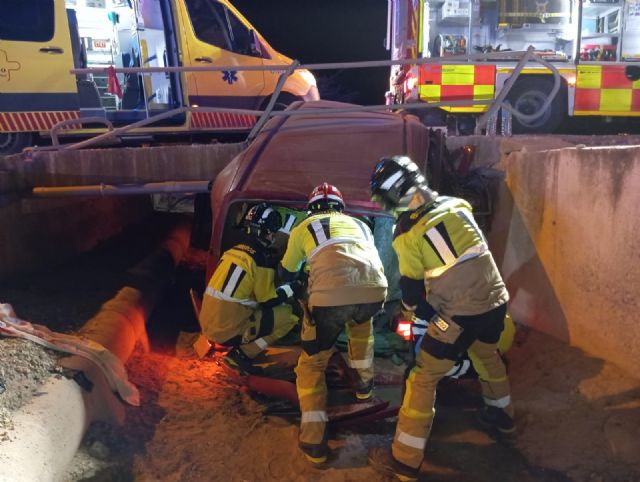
[606, 90]
[599, 89]
[441, 83]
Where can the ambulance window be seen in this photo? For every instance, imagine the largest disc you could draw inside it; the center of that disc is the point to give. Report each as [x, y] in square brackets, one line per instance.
[208, 20]
[26, 20]
[241, 37]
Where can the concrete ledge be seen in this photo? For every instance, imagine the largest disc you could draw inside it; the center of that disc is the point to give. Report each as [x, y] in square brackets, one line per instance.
[566, 236]
[123, 165]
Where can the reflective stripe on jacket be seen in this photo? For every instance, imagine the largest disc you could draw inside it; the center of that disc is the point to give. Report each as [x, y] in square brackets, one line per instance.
[345, 267]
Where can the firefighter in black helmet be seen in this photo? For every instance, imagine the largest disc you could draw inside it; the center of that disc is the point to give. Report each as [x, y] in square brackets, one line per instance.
[242, 307]
[441, 252]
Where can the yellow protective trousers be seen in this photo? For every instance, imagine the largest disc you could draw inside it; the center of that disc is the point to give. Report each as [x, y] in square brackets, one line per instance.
[319, 333]
[418, 406]
[283, 322]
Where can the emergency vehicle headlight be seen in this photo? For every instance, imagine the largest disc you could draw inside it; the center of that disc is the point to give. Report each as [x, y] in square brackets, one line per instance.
[410, 82]
[404, 329]
[307, 76]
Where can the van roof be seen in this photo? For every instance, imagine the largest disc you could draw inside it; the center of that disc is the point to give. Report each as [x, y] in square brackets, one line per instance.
[293, 154]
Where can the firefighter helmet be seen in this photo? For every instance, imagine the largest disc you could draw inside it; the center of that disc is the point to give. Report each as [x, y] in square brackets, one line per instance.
[325, 197]
[262, 220]
[394, 180]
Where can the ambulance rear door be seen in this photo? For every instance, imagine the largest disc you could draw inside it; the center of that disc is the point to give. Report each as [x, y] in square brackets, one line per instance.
[35, 60]
[214, 35]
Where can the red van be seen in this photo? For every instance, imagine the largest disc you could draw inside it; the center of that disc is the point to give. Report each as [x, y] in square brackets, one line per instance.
[292, 154]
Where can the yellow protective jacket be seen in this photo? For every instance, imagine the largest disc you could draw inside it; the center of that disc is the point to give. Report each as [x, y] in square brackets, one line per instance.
[243, 279]
[344, 265]
[441, 246]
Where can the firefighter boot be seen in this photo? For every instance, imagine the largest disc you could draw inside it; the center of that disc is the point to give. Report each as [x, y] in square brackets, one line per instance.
[382, 461]
[238, 361]
[364, 391]
[494, 418]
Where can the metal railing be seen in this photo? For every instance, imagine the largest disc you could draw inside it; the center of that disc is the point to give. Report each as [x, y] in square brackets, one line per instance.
[523, 58]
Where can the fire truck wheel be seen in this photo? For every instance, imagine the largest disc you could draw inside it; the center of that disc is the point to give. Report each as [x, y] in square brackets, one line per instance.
[14, 142]
[527, 96]
[284, 99]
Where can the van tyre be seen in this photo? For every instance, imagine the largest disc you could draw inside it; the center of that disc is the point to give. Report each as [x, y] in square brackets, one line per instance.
[14, 142]
[528, 95]
[284, 100]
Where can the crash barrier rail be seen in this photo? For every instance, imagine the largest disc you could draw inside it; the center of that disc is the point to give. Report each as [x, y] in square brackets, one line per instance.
[487, 119]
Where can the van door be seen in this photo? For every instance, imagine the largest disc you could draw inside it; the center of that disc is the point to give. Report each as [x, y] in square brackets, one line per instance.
[35, 60]
[215, 35]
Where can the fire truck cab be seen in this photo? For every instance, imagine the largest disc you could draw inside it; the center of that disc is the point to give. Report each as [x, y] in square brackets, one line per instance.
[41, 41]
[595, 45]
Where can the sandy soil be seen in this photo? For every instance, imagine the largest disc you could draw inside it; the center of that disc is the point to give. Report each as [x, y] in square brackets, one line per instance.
[578, 417]
[578, 420]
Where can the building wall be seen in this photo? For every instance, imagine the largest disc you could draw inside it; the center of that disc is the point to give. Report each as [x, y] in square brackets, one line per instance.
[567, 239]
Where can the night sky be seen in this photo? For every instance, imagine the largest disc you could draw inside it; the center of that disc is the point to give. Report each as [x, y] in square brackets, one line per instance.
[319, 31]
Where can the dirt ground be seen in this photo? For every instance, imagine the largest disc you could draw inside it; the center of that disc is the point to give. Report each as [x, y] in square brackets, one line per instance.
[578, 417]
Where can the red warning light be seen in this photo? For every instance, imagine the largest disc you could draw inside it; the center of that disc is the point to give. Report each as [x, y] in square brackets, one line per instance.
[404, 329]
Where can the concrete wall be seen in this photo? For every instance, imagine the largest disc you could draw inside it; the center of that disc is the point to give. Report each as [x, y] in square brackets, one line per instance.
[567, 238]
[123, 165]
[42, 232]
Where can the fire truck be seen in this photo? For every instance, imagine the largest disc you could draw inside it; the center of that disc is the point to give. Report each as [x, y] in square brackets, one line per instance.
[41, 41]
[595, 45]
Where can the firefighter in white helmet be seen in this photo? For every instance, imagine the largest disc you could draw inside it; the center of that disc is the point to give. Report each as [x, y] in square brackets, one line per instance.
[441, 252]
[346, 287]
[242, 308]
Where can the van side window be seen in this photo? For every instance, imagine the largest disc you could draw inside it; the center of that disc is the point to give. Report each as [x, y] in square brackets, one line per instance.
[26, 20]
[241, 36]
[209, 22]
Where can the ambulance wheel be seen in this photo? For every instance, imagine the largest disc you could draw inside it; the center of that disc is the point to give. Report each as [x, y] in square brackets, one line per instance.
[527, 96]
[14, 142]
[284, 100]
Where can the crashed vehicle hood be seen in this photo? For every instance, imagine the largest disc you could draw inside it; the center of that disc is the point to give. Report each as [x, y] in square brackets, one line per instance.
[291, 155]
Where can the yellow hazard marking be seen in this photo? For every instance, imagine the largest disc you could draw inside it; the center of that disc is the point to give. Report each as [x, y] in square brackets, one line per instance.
[615, 99]
[458, 74]
[589, 77]
[483, 92]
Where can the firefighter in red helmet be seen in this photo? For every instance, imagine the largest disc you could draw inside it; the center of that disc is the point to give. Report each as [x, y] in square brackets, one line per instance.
[347, 286]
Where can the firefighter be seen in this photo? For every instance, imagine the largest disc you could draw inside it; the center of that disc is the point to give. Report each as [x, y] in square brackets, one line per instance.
[441, 249]
[241, 307]
[346, 287]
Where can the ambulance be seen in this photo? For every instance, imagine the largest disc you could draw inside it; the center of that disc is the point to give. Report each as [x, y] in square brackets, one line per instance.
[594, 44]
[41, 41]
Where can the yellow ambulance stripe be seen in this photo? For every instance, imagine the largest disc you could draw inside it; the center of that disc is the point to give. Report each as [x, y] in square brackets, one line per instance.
[615, 100]
[458, 74]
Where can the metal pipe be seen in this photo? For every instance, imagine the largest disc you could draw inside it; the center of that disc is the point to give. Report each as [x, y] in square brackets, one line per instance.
[497, 56]
[185, 187]
[50, 428]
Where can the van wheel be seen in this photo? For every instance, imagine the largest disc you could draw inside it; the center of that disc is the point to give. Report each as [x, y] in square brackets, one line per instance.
[527, 96]
[284, 100]
[14, 142]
